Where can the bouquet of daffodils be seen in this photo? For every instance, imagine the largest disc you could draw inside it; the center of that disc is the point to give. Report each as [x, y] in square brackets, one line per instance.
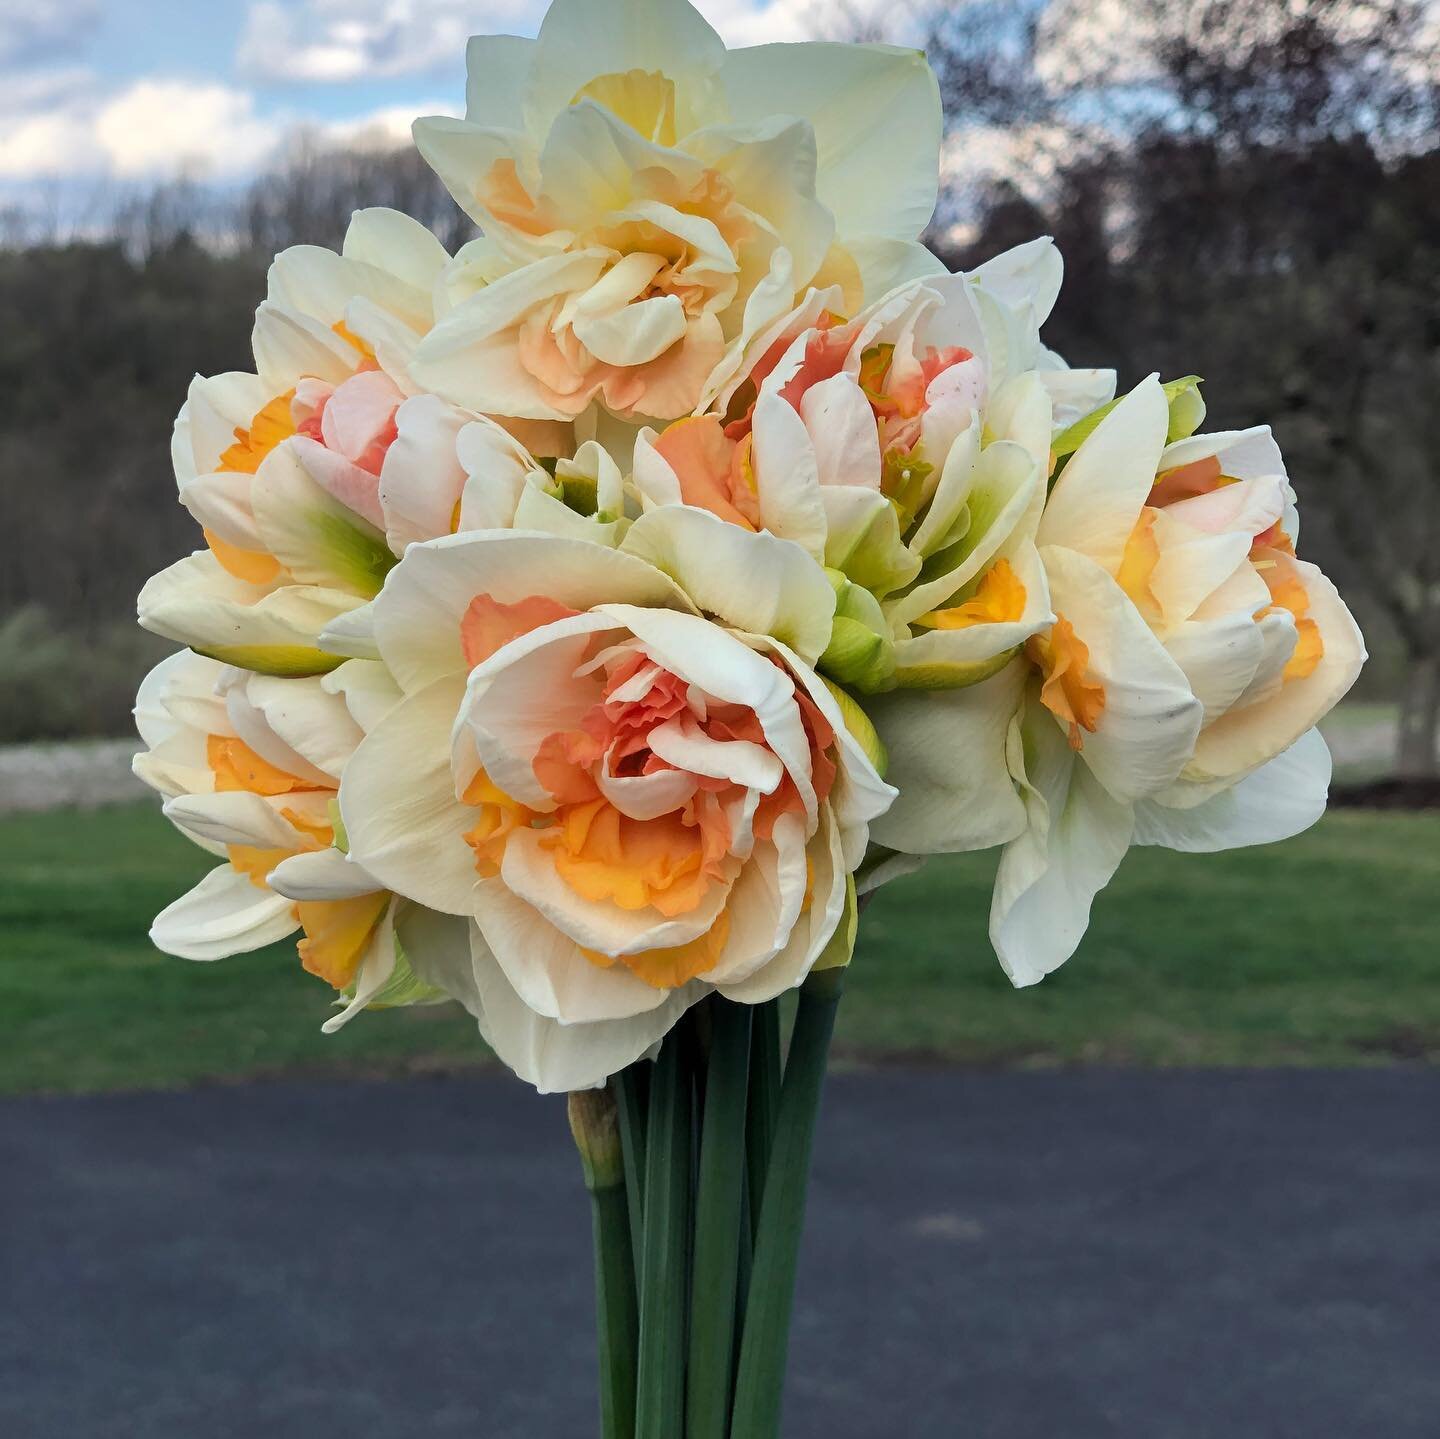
[587, 622]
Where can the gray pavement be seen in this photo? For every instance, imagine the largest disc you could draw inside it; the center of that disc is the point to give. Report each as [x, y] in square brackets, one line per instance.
[1068, 1255]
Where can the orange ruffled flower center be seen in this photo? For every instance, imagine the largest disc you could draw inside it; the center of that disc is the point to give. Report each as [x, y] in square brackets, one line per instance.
[668, 862]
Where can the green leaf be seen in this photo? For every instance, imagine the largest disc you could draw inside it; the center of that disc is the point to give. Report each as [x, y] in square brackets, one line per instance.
[719, 1213]
[594, 1124]
[760, 1377]
[660, 1385]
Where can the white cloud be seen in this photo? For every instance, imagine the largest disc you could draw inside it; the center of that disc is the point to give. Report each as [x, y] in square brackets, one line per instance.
[159, 126]
[329, 41]
[387, 128]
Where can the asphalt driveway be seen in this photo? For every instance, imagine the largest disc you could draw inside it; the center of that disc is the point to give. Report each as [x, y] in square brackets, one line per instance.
[1067, 1255]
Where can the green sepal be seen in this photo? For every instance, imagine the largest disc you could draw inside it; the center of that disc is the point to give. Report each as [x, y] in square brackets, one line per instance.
[1073, 436]
[861, 652]
[860, 728]
[841, 949]
[1187, 408]
[403, 988]
[283, 661]
[341, 839]
[951, 674]
[354, 550]
[857, 656]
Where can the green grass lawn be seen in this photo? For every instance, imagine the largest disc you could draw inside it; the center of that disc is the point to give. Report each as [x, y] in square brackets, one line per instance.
[1320, 951]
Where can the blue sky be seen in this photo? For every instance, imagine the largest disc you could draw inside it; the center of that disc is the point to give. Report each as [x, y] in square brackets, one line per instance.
[135, 90]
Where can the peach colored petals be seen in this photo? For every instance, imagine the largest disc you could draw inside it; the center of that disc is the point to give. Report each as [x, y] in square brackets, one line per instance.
[711, 469]
[488, 624]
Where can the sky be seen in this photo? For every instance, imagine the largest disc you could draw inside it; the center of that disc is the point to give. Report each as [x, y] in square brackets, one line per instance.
[126, 91]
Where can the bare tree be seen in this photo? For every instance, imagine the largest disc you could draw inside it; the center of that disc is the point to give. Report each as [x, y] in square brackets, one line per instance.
[1249, 189]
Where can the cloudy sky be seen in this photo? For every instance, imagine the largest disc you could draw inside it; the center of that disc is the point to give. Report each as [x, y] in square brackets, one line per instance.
[135, 90]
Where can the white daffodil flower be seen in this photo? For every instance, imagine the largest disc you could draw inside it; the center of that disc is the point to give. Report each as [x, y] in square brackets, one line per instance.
[249, 766]
[1172, 700]
[650, 202]
[620, 766]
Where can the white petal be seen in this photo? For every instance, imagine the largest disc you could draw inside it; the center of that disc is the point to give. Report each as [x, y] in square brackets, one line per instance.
[947, 757]
[1147, 730]
[689, 748]
[224, 914]
[875, 110]
[264, 627]
[843, 432]
[810, 933]
[546, 967]
[1027, 276]
[1280, 799]
[1074, 842]
[1246, 737]
[397, 799]
[1098, 498]
[309, 720]
[307, 502]
[556, 1058]
[393, 242]
[367, 688]
[234, 817]
[321, 874]
[754, 582]
[787, 474]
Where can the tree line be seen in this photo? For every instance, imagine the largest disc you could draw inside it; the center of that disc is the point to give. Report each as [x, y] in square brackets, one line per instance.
[1248, 190]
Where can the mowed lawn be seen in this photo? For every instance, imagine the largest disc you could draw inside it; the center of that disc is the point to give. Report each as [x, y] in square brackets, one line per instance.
[1325, 950]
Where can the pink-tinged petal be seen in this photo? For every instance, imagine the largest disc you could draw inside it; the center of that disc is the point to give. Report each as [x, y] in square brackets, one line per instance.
[843, 433]
[358, 490]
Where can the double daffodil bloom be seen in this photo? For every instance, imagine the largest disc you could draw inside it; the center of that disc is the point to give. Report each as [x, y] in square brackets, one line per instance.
[619, 766]
[250, 766]
[1171, 699]
[650, 202]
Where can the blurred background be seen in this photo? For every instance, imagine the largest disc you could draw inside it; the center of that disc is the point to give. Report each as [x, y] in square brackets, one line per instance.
[1247, 190]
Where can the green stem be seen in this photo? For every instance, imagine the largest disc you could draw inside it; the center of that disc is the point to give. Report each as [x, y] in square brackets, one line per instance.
[718, 1214]
[660, 1399]
[760, 1379]
[593, 1122]
[765, 1075]
[631, 1088]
